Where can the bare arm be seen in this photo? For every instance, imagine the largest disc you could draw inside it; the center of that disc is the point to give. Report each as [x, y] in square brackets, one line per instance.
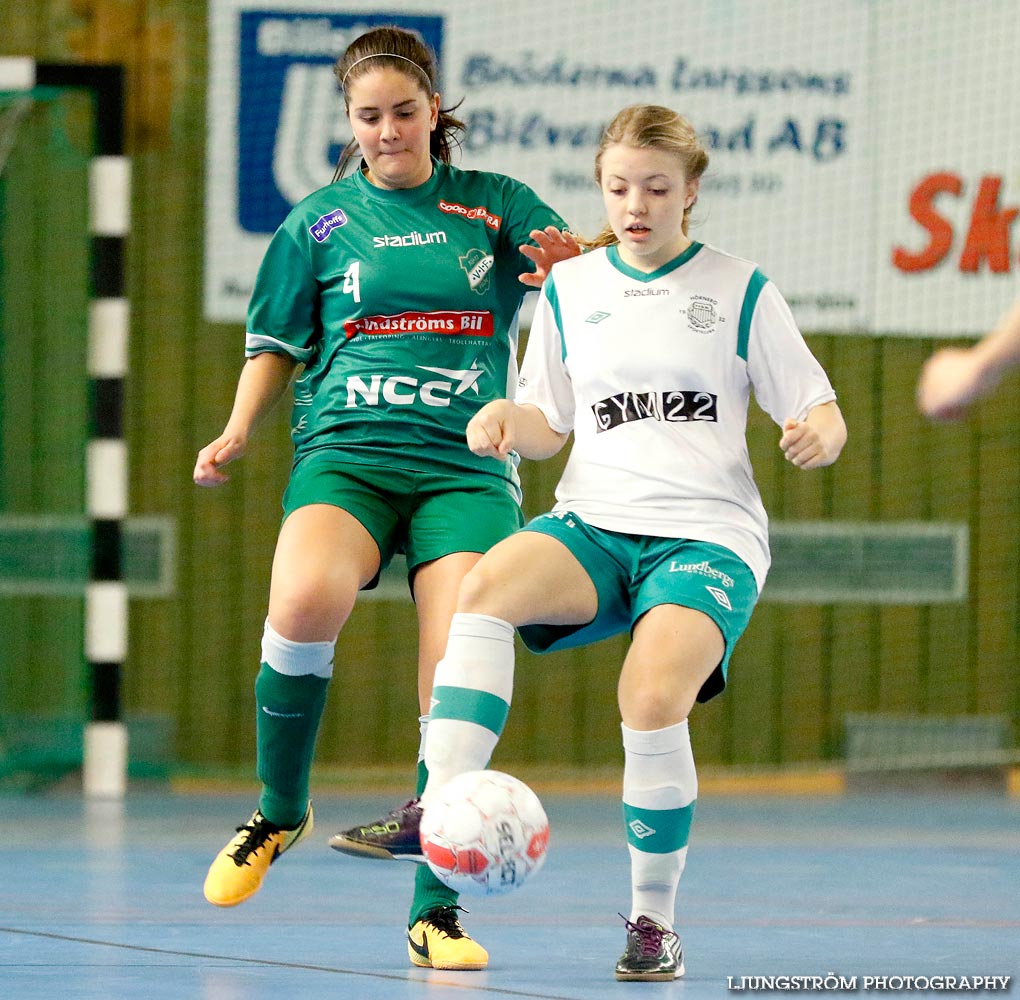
[501, 425]
[263, 381]
[954, 378]
[817, 440]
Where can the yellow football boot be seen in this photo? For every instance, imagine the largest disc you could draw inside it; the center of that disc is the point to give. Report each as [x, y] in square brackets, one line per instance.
[438, 941]
[239, 869]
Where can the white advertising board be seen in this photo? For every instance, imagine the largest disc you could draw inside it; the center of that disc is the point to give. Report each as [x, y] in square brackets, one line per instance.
[823, 120]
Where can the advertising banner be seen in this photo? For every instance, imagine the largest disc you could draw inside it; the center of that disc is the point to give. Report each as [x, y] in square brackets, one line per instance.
[844, 146]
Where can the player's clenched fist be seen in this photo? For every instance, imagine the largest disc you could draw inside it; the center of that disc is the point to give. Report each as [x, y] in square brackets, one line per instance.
[816, 441]
[490, 432]
[213, 457]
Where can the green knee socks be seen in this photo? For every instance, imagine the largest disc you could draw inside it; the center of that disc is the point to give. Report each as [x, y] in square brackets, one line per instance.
[289, 711]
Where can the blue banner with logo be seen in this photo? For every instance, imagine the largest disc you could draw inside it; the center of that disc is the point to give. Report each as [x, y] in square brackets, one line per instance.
[285, 72]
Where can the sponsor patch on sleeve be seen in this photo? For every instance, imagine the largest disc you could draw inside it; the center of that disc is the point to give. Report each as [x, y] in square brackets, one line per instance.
[325, 224]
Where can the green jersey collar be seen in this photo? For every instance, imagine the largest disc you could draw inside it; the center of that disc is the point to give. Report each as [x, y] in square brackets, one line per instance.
[402, 196]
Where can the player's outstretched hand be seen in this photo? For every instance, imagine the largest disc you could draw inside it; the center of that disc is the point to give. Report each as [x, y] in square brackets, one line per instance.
[950, 381]
[214, 456]
[552, 245]
[490, 432]
[802, 445]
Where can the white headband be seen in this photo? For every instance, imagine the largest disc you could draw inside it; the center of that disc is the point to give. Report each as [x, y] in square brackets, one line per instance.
[389, 55]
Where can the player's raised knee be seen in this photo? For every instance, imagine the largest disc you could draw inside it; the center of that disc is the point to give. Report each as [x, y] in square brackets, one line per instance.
[480, 591]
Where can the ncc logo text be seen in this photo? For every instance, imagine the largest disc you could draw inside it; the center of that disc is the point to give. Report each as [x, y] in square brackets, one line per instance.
[405, 390]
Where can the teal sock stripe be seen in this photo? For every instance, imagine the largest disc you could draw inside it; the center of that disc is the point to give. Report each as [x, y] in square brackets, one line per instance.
[468, 705]
[658, 831]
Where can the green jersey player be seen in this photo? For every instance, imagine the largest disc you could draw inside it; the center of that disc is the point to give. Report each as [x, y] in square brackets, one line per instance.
[397, 291]
[401, 303]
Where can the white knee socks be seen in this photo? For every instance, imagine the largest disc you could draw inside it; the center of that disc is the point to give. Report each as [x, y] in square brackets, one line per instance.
[660, 786]
[470, 698]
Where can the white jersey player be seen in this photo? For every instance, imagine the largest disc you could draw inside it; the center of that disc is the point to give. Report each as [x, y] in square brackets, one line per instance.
[647, 349]
[652, 373]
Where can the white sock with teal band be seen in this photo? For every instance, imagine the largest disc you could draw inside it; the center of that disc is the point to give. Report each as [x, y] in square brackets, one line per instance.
[470, 698]
[660, 787]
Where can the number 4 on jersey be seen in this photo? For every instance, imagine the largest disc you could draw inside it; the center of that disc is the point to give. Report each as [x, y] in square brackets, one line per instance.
[351, 283]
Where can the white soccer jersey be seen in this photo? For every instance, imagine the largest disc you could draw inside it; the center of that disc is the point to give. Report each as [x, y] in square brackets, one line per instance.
[653, 373]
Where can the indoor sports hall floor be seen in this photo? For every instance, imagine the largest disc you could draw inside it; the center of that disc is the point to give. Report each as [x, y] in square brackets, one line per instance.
[104, 901]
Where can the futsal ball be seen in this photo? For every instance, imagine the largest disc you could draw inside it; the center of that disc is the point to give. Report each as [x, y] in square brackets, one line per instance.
[485, 833]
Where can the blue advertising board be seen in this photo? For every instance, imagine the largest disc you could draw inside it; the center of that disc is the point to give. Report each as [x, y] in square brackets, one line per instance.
[280, 52]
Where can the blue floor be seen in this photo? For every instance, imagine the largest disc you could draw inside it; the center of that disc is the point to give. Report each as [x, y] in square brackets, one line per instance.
[104, 901]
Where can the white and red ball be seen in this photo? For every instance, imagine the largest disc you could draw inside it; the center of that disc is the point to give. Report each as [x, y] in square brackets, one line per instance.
[485, 833]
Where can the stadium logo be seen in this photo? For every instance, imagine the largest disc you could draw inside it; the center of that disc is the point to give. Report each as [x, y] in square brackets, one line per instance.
[323, 226]
[409, 240]
[478, 212]
[701, 314]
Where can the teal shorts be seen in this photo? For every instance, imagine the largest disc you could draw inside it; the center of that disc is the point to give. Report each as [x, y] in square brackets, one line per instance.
[423, 515]
[635, 573]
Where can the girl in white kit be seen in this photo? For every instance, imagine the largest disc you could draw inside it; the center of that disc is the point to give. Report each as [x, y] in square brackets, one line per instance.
[647, 349]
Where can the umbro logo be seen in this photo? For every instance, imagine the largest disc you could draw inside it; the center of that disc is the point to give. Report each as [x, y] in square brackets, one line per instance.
[640, 830]
[721, 597]
[597, 317]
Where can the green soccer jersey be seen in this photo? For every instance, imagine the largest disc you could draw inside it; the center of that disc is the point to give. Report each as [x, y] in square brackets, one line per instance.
[402, 305]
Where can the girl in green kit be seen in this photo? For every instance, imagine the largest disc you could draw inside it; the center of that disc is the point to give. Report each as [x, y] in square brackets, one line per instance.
[397, 290]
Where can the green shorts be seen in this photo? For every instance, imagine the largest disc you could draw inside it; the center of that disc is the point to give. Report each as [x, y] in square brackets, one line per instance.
[423, 515]
[635, 573]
